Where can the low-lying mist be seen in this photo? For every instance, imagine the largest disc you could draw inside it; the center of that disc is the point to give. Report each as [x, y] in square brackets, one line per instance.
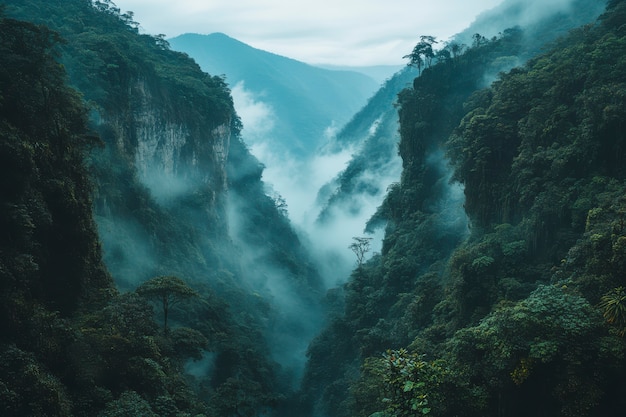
[295, 314]
[302, 182]
[294, 183]
[127, 251]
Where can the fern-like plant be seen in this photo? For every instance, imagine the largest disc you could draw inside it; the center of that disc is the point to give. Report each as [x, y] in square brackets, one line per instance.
[613, 304]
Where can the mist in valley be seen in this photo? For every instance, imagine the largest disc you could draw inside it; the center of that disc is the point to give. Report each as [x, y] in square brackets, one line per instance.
[312, 218]
[293, 183]
[299, 180]
[329, 197]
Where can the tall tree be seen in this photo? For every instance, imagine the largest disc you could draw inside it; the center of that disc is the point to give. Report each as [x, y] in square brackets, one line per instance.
[423, 53]
[360, 247]
[166, 290]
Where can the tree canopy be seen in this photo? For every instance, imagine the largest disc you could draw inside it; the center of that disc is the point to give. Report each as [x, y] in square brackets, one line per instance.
[166, 290]
[520, 310]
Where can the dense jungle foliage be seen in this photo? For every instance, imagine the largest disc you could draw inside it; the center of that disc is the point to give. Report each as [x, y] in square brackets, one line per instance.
[517, 309]
[511, 305]
[73, 344]
[70, 344]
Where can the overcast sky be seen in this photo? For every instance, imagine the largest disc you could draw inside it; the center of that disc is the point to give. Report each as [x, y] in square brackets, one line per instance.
[341, 32]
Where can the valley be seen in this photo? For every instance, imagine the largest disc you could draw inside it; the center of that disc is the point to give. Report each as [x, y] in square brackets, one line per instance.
[196, 227]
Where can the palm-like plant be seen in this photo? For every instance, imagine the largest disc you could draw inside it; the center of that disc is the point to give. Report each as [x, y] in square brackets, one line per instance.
[613, 305]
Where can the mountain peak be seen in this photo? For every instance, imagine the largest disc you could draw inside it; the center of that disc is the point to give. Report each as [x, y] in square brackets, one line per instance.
[305, 99]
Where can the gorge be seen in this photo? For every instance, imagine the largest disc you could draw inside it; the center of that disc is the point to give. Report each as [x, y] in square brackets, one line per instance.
[493, 178]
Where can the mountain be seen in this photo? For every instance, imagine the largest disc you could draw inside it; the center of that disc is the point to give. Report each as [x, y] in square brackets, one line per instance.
[496, 288]
[374, 133]
[304, 100]
[380, 73]
[176, 199]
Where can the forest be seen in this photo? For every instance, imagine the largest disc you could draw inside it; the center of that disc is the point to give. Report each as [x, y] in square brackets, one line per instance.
[499, 290]
[517, 308]
[83, 94]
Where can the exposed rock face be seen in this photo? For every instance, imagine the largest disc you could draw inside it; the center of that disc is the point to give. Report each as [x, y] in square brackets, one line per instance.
[170, 155]
[161, 185]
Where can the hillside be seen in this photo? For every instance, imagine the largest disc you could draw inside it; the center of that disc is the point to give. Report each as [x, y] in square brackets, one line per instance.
[373, 132]
[70, 343]
[305, 100]
[146, 269]
[517, 310]
[173, 189]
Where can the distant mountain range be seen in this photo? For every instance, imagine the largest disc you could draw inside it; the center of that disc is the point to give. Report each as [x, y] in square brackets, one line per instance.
[380, 73]
[304, 99]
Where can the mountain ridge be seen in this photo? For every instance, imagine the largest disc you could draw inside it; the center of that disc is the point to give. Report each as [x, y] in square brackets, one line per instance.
[306, 100]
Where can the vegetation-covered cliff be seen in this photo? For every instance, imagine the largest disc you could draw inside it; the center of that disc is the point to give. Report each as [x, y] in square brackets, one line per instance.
[516, 309]
[70, 344]
[173, 189]
[145, 271]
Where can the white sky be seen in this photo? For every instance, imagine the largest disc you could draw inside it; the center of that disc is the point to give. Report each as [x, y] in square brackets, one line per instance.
[338, 32]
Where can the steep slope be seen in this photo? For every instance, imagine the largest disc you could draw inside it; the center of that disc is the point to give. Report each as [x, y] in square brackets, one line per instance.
[425, 222]
[171, 168]
[374, 129]
[521, 317]
[372, 135]
[70, 345]
[543, 21]
[305, 100]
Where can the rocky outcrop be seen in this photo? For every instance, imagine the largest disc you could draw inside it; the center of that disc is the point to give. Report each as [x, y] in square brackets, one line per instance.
[170, 155]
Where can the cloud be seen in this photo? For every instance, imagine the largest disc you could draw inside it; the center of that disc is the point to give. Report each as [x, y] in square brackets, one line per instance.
[349, 32]
[257, 117]
[299, 180]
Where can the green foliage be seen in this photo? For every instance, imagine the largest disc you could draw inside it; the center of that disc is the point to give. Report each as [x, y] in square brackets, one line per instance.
[187, 343]
[613, 305]
[28, 388]
[409, 381]
[515, 310]
[129, 404]
[423, 53]
[167, 291]
[550, 334]
[43, 136]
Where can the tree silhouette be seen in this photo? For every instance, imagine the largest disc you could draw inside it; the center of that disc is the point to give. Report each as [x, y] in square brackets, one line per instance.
[168, 290]
[423, 53]
[360, 247]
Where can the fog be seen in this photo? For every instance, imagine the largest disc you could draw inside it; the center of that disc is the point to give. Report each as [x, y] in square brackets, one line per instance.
[258, 117]
[298, 181]
[295, 315]
[531, 14]
[448, 197]
[166, 187]
[127, 251]
[201, 368]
